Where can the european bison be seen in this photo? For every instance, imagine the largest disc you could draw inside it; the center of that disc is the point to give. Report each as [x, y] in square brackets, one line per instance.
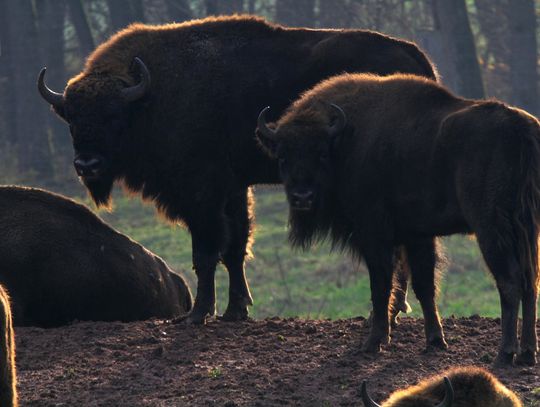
[8, 377]
[462, 387]
[169, 112]
[60, 262]
[379, 162]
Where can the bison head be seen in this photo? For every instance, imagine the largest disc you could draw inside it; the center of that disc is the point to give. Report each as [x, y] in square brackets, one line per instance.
[96, 105]
[405, 397]
[304, 146]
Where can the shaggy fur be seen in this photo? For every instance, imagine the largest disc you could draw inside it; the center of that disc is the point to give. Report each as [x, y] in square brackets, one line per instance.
[188, 145]
[61, 263]
[473, 387]
[415, 162]
[8, 376]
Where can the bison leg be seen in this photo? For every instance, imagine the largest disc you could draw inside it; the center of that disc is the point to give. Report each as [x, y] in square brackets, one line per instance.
[380, 266]
[398, 301]
[239, 213]
[529, 339]
[422, 259]
[504, 267]
[207, 234]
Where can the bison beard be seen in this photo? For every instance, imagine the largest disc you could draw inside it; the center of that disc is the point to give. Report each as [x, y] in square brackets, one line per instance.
[187, 121]
[100, 190]
[418, 164]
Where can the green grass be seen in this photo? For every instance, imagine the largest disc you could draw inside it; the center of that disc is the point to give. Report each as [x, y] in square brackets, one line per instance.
[313, 284]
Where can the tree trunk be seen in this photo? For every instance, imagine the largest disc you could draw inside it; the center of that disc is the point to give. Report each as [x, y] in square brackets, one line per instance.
[230, 6]
[51, 17]
[8, 108]
[334, 14]
[523, 58]
[120, 14]
[495, 54]
[33, 152]
[296, 12]
[178, 10]
[251, 6]
[458, 41]
[82, 28]
[211, 7]
[137, 10]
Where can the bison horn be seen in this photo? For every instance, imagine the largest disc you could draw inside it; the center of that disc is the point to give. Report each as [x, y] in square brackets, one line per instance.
[54, 98]
[263, 127]
[136, 92]
[449, 394]
[368, 401]
[341, 120]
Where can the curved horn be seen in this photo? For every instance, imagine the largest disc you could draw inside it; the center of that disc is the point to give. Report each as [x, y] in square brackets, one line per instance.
[336, 127]
[136, 92]
[54, 98]
[263, 127]
[368, 401]
[449, 394]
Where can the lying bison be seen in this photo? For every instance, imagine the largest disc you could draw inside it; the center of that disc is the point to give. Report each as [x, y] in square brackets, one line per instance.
[462, 387]
[169, 112]
[60, 262]
[379, 162]
[8, 377]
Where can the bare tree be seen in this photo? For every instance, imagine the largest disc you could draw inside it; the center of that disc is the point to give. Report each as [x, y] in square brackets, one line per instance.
[178, 10]
[523, 60]
[51, 18]
[33, 151]
[296, 12]
[452, 20]
[334, 14]
[82, 28]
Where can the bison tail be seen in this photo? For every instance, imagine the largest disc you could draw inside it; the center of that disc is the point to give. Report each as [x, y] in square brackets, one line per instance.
[527, 214]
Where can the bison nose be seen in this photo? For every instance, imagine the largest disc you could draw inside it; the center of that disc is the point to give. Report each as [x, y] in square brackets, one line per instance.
[302, 199]
[89, 167]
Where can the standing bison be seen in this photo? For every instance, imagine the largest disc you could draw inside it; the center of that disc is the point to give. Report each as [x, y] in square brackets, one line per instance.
[60, 262]
[462, 387]
[169, 112]
[380, 162]
[8, 377]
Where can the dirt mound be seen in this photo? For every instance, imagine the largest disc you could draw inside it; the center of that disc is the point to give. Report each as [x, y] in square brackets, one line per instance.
[255, 363]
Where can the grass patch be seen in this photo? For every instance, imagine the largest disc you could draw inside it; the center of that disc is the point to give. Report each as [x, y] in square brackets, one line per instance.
[313, 284]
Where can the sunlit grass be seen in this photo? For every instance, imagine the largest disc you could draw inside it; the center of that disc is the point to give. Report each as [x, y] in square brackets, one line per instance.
[313, 284]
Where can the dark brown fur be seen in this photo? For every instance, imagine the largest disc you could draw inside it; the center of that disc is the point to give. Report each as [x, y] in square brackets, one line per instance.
[60, 262]
[473, 387]
[415, 162]
[188, 145]
[8, 376]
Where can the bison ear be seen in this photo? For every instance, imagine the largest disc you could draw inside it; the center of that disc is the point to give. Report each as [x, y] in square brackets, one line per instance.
[268, 144]
[59, 110]
[266, 134]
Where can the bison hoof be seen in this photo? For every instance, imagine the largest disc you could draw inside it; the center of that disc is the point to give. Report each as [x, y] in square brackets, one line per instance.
[193, 318]
[435, 344]
[373, 344]
[235, 314]
[526, 358]
[504, 359]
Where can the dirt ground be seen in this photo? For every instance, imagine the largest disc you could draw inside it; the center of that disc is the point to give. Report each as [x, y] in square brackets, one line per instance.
[272, 362]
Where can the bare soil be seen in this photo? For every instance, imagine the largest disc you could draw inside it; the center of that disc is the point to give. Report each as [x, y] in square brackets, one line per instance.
[272, 362]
